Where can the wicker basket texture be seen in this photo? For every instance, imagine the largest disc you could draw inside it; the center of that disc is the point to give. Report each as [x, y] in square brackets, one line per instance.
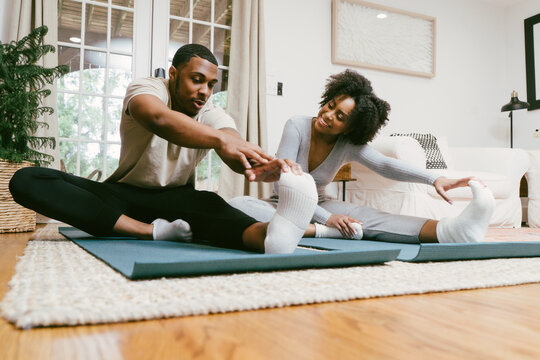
[13, 217]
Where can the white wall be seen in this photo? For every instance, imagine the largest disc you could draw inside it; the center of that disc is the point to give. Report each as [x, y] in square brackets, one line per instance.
[525, 122]
[462, 101]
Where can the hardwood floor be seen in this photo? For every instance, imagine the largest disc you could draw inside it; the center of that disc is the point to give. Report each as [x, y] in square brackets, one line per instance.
[501, 323]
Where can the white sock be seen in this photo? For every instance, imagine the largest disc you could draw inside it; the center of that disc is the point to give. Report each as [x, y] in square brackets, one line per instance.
[297, 203]
[178, 230]
[323, 231]
[472, 223]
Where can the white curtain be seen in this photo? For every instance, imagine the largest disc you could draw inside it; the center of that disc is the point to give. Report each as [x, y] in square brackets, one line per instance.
[246, 91]
[20, 17]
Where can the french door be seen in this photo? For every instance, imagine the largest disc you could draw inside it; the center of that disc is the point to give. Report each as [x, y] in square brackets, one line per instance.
[107, 44]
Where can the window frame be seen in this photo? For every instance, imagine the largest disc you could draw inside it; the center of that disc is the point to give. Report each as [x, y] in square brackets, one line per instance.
[104, 141]
[144, 42]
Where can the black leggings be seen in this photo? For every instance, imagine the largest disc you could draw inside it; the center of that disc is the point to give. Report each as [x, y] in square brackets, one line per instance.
[95, 207]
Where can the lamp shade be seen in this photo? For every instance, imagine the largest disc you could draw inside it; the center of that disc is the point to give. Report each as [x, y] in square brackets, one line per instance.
[515, 103]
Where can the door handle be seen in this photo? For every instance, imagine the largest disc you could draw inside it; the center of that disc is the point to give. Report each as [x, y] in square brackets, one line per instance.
[159, 73]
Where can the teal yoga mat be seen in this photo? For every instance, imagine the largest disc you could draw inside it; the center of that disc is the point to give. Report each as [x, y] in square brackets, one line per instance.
[433, 252]
[144, 259]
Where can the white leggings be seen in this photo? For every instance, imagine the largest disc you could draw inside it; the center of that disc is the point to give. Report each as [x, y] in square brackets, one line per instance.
[376, 224]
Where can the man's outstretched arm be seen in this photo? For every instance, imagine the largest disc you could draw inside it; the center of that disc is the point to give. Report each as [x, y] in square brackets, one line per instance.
[182, 130]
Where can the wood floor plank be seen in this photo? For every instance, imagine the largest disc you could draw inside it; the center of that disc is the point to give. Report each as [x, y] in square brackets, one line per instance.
[499, 323]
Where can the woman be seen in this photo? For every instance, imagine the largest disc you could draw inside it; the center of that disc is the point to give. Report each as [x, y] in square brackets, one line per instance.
[349, 117]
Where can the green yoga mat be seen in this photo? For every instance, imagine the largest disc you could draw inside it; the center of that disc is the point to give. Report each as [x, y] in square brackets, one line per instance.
[433, 252]
[144, 259]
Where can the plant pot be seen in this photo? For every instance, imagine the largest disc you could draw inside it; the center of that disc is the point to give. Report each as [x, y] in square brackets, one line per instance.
[13, 217]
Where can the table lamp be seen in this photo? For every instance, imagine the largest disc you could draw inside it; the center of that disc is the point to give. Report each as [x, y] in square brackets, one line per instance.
[514, 104]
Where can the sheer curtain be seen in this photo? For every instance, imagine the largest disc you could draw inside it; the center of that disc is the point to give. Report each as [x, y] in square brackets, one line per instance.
[246, 101]
[19, 18]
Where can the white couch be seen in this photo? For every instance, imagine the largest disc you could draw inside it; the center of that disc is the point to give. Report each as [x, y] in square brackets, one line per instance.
[501, 169]
[533, 189]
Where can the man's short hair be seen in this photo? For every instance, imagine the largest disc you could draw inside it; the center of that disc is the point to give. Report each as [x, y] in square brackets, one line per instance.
[186, 52]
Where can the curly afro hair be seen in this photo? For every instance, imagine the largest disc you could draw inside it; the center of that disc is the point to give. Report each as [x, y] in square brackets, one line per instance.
[370, 113]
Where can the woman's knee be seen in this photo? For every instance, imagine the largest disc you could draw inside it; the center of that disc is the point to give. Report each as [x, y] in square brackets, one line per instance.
[239, 202]
[260, 210]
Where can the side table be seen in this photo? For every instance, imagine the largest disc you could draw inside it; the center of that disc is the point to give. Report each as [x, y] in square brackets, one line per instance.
[344, 176]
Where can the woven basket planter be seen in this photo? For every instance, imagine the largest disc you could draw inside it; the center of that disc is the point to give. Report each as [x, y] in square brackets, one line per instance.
[13, 217]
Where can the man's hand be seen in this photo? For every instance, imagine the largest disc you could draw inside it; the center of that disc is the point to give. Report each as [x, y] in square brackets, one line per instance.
[443, 184]
[343, 223]
[271, 171]
[234, 150]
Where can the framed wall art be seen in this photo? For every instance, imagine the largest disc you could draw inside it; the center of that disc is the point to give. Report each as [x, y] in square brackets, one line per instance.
[532, 60]
[383, 38]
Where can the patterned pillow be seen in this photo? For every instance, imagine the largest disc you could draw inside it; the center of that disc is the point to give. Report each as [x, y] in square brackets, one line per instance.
[428, 142]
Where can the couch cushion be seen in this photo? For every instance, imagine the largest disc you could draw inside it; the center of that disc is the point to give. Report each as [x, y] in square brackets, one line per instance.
[498, 184]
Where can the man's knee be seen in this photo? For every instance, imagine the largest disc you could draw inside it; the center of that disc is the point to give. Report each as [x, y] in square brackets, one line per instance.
[19, 180]
[23, 179]
[206, 198]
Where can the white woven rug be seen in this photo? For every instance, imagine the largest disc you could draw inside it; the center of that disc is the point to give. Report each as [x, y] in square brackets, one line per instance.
[58, 283]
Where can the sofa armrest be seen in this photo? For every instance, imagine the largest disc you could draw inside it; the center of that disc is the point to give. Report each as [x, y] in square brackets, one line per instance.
[533, 190]
[509, 162]
[533, 176]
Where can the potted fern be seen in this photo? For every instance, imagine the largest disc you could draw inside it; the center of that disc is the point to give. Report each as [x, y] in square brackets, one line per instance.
[22, 90]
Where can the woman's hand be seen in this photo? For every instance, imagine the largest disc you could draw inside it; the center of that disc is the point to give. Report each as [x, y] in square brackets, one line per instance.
[443, 184]
[344, 224]
[271, 171]
[237, 152]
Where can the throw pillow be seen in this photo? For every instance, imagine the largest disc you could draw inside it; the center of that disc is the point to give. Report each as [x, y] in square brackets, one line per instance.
[428, 142]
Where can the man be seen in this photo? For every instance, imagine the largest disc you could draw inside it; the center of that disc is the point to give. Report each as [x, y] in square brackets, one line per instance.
[167, 127]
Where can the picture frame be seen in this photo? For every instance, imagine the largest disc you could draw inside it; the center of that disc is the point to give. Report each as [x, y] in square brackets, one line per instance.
[383, 38]
[532, 60]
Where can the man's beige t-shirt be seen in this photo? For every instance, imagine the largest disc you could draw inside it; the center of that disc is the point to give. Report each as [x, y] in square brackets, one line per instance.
[149, 161]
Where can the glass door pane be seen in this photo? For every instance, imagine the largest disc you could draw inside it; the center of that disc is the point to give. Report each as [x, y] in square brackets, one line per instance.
[205, 22]
[95, 39]
[108, 43]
